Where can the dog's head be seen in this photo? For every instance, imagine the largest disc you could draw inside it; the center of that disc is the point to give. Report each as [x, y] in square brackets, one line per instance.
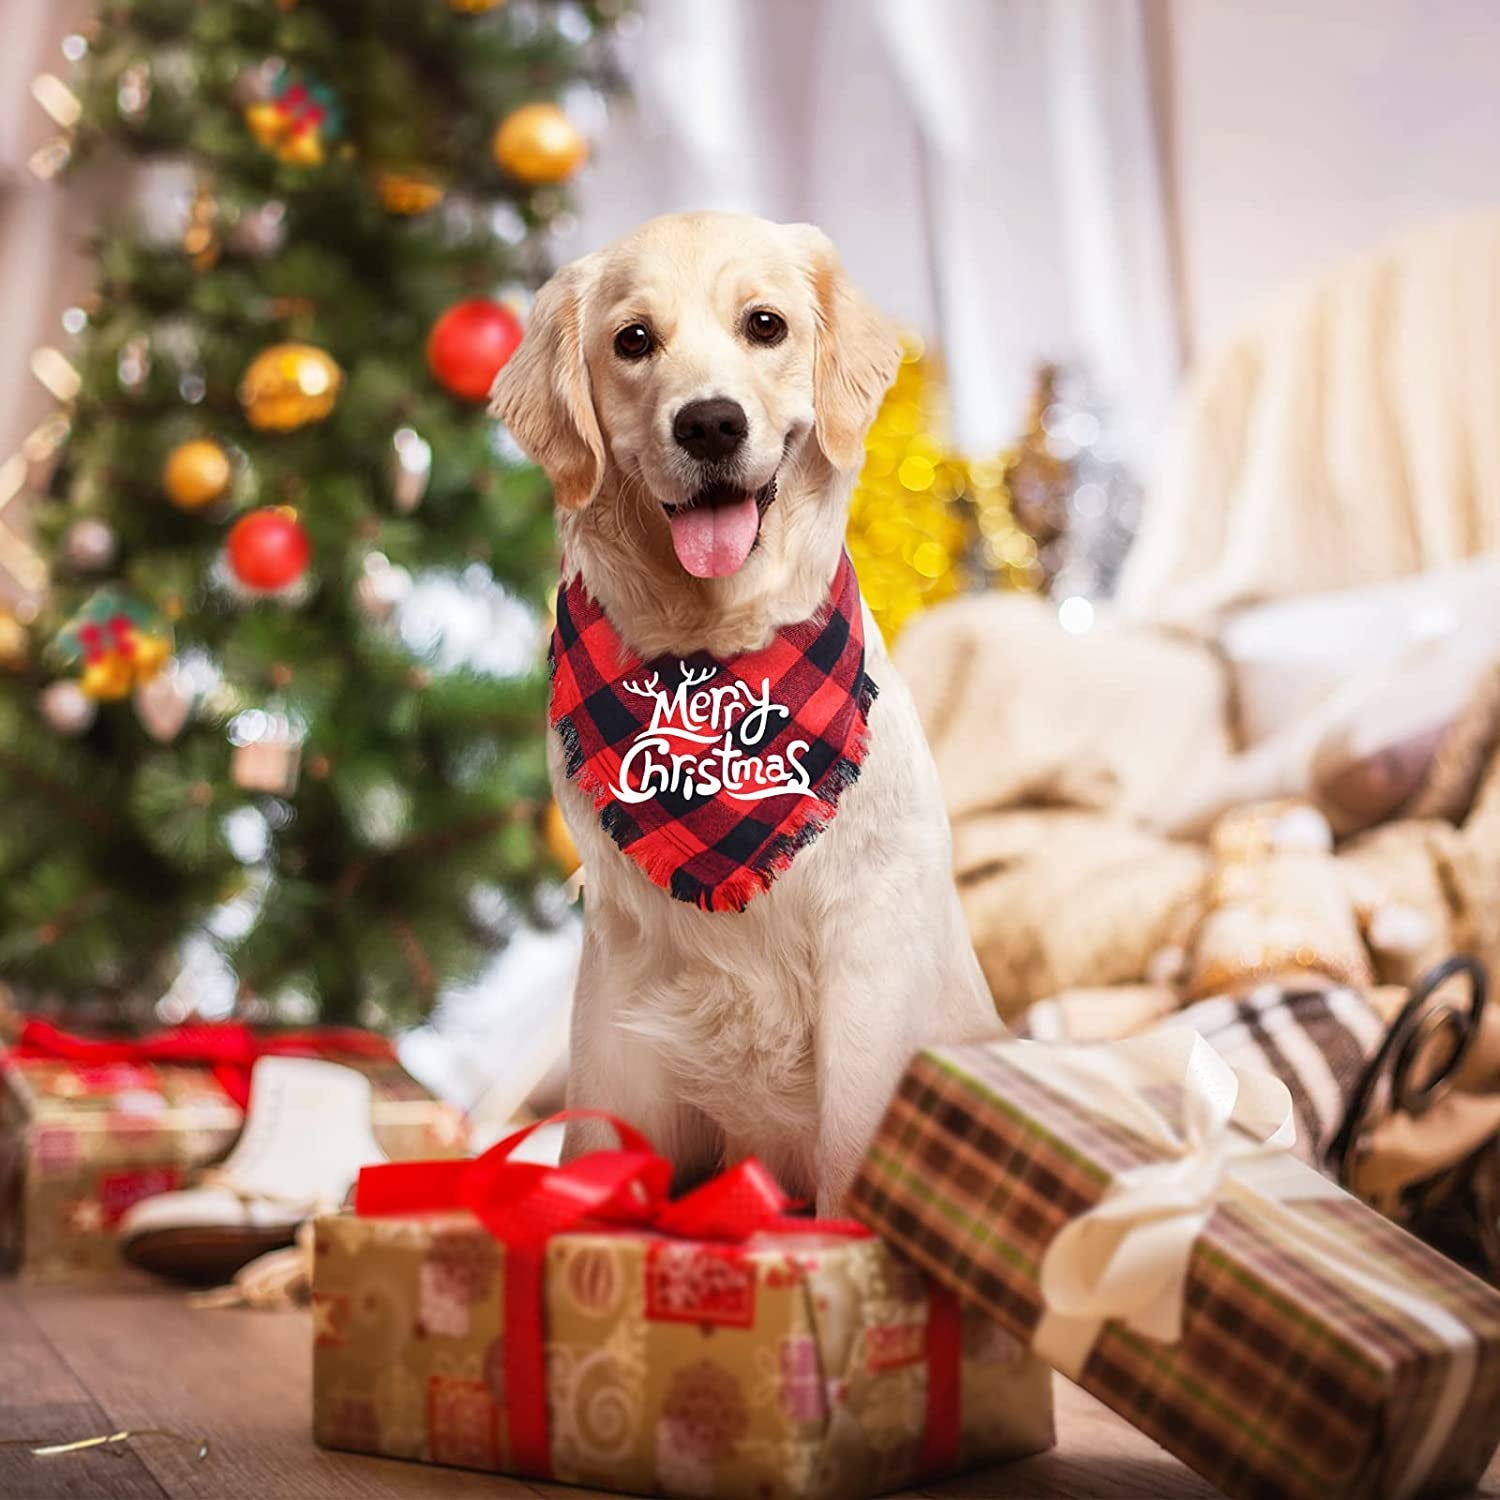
[698, 380]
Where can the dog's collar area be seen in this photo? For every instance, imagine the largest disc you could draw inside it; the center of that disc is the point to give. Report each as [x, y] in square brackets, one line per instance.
[720, 493]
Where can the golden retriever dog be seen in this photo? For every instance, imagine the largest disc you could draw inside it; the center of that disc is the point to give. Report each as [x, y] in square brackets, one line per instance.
[698, 394]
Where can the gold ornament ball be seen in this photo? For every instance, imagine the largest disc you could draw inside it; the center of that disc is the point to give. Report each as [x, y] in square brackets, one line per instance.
[289, 385]
[196, 474]
[558, 840]
[539, 144]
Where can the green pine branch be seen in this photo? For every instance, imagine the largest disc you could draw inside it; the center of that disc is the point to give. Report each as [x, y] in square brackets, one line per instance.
[363, 889]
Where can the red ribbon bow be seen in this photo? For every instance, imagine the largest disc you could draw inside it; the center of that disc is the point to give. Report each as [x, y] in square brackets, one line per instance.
[230, 1049]
[523, 1204]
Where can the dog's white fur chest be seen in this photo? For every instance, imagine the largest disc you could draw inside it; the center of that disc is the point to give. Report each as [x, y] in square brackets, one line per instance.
[725, 1033]
[729, 1008]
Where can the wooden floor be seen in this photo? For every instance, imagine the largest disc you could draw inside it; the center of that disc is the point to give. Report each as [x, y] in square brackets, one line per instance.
[76, 1365]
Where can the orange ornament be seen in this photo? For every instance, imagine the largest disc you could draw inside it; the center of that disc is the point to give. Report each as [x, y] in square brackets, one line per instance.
[407, 194]
[196, 474]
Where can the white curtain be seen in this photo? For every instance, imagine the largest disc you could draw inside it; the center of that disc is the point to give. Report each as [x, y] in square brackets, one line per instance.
[42, 263]
[989, 168]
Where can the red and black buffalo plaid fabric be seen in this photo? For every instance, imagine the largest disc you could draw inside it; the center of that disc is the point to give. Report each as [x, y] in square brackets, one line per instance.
[711, 774]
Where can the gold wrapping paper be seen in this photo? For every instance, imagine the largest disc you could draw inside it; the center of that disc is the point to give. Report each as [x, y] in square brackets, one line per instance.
[795, 1365]
[80, 1145]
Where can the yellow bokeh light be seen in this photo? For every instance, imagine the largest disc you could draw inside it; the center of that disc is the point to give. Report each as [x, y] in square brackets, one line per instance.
[915, 473]
[905, 416]
[924, 523]
[930, 560]
[1019, 550]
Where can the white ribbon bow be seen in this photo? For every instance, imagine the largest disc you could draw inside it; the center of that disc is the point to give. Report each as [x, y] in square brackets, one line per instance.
[1127, 1258]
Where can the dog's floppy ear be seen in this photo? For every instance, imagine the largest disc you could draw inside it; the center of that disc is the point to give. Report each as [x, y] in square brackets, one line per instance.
[855, 357]
[542, 393]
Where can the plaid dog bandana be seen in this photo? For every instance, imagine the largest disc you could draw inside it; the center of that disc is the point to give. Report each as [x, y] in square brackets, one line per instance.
[710, 774]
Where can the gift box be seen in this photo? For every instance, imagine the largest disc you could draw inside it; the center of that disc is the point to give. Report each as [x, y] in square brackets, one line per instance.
[1133, 1213]
[88, 1128]
[706, 1347]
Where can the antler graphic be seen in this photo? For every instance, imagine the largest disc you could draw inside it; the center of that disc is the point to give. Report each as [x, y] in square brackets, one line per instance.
[694, 677]
[649, 689]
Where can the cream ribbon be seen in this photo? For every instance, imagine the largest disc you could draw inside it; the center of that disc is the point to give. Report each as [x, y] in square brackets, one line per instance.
[1126, 1260]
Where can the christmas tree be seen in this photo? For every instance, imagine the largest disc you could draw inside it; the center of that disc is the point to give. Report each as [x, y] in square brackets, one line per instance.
[245, 713]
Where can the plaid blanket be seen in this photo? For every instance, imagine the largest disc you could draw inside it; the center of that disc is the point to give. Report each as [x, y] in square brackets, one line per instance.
[710, 774]
[1316, 1038]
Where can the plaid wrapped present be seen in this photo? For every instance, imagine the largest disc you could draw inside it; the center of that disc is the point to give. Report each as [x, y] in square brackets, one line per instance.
[1132, 1212]
[654, 1348]
[90, 1127]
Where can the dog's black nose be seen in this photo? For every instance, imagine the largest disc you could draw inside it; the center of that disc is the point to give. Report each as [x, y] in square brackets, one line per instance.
[710, 430]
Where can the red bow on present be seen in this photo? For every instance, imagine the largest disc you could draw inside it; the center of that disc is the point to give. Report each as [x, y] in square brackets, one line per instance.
[229, 1049]
[523, 1204]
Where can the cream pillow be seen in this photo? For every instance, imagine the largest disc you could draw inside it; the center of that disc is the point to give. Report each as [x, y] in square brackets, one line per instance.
[1412, 648]
[1362, 687]
[1018, 711]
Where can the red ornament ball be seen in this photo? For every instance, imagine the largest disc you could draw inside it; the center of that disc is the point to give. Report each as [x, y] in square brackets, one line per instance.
[268, 549]
[469, 344]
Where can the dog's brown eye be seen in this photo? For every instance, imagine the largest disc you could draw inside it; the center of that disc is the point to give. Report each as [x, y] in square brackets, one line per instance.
[634, 341]
[765, 327]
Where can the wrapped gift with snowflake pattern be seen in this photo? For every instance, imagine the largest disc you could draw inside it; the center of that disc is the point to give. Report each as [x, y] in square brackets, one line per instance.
[789, 1365]
[88, 1128]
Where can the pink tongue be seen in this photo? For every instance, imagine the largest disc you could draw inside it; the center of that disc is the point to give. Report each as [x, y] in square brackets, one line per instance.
[712, 541]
